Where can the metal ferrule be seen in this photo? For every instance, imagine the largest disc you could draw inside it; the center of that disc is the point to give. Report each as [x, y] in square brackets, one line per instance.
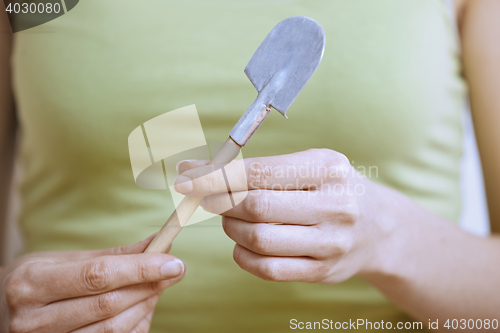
[250, 121]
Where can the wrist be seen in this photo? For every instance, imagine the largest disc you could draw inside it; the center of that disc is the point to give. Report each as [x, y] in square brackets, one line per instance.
[388, 233]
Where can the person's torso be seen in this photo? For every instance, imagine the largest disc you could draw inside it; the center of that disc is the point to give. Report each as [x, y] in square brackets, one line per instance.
[388, 94]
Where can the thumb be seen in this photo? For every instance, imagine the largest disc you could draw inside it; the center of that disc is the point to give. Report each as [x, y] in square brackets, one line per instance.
[135, 248]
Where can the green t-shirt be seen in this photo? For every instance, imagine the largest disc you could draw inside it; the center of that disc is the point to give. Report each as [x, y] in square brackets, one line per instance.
[388, 94]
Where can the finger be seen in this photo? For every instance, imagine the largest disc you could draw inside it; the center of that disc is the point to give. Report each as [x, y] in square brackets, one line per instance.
[291, 207]
[58, 256]
[135, 248]
[73, 313]
[279, 240]
[186, 165]
[143, 326]
[298, 171]
[101, 274]
[207, 178]
[125, 321]
[282, 269]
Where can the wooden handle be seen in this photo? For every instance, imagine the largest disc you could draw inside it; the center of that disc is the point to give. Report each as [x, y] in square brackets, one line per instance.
[188, 205]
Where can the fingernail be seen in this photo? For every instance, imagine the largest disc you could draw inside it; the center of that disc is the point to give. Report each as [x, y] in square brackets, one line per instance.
[172, 268]
[183, 185]
[179, 163]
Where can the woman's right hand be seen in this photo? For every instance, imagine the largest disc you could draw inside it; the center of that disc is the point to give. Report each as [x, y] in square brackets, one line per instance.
[113, 290]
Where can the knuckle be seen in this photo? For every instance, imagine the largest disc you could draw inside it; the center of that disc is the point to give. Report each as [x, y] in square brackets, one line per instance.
[334, 157]
[342, 159]
[337, 164]
[330, 249]
[106, 304]
[348, 212]
[341, 248]
[142, 272]
[11, 285]
[260, 239]
[17, 290]
[109, 326]
[258, 208]
[321, 272]
[342, 245]
[259, 174]
[17, 325]
[95, 276]
[326, 248]
[271, 271]
[20, 324]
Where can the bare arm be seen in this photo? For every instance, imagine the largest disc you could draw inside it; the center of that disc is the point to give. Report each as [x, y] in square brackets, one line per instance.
[449, 273]
[480, 33]
[7, 120]
[461, 274]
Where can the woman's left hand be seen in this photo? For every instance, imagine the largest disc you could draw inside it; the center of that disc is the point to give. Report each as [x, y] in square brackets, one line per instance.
[307, 216]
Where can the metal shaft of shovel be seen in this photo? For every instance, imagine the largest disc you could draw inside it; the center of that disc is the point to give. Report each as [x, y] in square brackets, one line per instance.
[279, 69]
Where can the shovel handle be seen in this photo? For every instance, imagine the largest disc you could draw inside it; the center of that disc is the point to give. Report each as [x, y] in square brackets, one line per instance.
[188, 205]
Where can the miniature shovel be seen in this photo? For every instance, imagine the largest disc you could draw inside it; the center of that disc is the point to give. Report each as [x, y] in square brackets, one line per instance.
[279, 69]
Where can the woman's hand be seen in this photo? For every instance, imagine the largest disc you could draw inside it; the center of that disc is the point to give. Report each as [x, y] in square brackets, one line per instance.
[113, 290]
[304, 218]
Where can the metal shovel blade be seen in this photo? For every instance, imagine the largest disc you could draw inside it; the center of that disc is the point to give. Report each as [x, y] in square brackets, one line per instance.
[286, 60]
